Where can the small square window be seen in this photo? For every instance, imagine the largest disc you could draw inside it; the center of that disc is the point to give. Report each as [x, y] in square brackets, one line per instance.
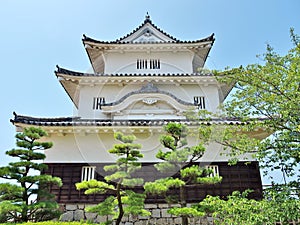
[88, 173]
[98, 102]
[214, 170]
[199, 101]
[148, 64]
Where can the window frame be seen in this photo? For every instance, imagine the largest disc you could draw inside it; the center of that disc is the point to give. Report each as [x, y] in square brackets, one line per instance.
[88, 173]
[215, 169]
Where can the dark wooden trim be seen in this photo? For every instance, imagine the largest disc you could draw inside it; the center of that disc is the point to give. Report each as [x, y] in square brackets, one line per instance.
[235, 178]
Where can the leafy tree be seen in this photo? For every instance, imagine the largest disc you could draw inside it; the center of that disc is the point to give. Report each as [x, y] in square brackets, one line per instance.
[180, 158]
[26, 180]
[268, 95]
[121, 200]
[238, 209]
[265, 97]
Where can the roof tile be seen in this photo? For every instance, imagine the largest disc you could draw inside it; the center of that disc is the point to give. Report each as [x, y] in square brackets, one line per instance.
[77, 121]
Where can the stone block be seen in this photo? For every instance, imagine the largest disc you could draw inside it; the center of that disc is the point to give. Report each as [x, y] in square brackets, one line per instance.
[71, 207]
[78, 215]
[67, 216]
[150, 206]
[202, 221]
[210, 220]
[143, 217]
[109, 217]
[128, 223]
[161, 221]
[132, 218]
[163, 206]
[80, 206]
[125, 219]
[90, 216]
[169, 220]
[156, 213]
[165, 214]
[62, 208]
[100, 219]
[177, 220]
[141, 222]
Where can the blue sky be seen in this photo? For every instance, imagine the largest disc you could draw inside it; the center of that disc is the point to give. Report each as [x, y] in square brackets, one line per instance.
[37, 35]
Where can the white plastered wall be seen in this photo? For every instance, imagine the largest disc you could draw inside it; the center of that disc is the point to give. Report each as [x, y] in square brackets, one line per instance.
[112, 93]
[92, 148]
[170, 62]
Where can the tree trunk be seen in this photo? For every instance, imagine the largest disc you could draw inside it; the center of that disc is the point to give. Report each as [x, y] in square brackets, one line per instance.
[24, 213]
[184, 219]
[120, 204]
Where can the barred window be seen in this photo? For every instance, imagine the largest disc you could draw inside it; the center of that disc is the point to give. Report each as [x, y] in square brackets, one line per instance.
[154, 63]
[214, 170]
[199, 101]
[148, 64]
[88, 173]
[98, 102]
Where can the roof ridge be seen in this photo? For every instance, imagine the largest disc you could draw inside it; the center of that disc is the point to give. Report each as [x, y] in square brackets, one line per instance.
[149, 21]
[76, 73]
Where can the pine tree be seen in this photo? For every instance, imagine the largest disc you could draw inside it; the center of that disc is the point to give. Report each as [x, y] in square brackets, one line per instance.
[17, 198]
[119, 183]
[177, 156]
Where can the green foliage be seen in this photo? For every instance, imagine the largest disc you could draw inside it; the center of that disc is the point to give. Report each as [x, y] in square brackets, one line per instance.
[122, 201]
[161, 186]
[177, 156]
[134, 204]
[186, 211]
[271, 91]
[191, 172]
[10, 192]
[105, 208]
[25, 172]
[238, 209]
[94, 187]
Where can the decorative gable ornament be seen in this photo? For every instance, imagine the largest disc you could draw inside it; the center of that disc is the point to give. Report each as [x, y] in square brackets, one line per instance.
[150, 101]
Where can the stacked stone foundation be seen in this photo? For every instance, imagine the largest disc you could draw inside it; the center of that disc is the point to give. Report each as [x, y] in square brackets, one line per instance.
[159, 216]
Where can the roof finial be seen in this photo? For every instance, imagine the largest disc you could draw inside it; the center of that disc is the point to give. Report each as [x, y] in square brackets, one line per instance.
[147, 19]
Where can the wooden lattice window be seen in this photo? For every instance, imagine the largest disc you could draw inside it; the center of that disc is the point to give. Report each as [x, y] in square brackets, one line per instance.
[214, 170]
[148, 64]
[199, 101]
[141, 64]
[88, 173]
[154, 63]
[98, 102]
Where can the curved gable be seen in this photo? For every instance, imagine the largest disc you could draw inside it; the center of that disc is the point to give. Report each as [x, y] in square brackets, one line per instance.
[148, 100]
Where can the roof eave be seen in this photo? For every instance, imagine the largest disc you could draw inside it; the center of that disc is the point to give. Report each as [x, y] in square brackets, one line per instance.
[91, 41]
[88, 53]
[71, 89]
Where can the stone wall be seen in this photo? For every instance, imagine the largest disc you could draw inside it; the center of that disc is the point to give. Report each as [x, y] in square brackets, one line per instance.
[159, 215]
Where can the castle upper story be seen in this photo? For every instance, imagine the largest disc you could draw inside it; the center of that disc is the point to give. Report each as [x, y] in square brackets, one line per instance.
[147, 49]
[147, 74]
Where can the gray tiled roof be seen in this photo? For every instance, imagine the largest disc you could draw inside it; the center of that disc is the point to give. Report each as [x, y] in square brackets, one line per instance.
[77, 121]
[81, 74]
[147, 20]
